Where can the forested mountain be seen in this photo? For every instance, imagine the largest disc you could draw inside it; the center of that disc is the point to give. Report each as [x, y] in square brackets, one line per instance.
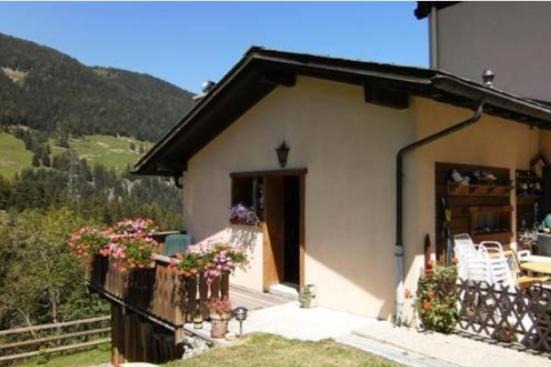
[53, 92]
[60, 170]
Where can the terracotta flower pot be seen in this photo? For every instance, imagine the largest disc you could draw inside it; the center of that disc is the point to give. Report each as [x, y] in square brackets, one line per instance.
[219, 325]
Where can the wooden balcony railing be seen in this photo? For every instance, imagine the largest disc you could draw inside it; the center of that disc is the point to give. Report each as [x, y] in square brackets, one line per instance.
[157, 291]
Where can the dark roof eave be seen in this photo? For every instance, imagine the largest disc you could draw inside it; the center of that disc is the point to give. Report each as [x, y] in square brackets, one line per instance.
[140, 167]
[424, 8]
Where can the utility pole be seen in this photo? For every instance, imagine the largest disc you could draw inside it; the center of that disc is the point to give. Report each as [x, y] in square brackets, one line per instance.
[73, 181]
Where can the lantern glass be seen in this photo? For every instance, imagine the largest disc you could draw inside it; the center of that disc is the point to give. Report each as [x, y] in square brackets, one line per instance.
[240, 313]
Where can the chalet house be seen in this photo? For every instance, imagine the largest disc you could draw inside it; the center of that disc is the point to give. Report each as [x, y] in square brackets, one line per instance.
[371, 150]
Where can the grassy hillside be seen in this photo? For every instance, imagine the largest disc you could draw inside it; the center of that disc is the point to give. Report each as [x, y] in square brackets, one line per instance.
[112, 152]
[13, 155]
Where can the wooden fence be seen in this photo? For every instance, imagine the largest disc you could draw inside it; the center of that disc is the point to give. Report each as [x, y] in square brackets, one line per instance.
[31, 341]
[509, 316]
[158, 291]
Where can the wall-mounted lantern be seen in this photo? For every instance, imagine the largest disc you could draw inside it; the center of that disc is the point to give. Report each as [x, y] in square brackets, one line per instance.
[282, 154]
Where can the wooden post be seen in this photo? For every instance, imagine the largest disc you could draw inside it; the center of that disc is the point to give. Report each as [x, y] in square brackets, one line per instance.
[146, 331]
[215, 288]
[127, 332]
[191, 284]
[179, 335]
[117, 356]
[203, 296]
[225, 285]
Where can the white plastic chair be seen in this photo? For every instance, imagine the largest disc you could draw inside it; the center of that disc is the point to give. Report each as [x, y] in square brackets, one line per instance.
[487, 264]
[500, 274]
[497, 264]
[464, 249]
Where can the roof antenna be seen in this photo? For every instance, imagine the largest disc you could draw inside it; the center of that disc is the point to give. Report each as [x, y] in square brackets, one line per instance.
[488, 78]
[206, 87]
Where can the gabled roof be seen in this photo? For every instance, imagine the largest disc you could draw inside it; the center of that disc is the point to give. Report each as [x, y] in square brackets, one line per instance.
[261, 70]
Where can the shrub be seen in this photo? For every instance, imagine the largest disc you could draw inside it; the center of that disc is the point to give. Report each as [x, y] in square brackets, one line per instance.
[437, 298]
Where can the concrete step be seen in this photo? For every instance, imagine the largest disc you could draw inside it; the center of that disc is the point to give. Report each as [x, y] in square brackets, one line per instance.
[254, 300]
[285, 291]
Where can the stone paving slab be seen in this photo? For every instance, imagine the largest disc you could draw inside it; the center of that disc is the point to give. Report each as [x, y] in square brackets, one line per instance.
[453, 349]
[290, 321]
[393, 353]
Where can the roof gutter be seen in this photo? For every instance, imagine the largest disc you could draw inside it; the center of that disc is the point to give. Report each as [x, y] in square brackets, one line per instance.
[492, 97]
[399, 248]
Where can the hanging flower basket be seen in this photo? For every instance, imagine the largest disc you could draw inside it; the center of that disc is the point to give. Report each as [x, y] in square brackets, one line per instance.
[240, 214]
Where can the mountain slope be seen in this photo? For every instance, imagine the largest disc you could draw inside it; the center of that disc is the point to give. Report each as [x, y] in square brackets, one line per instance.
[50, 91]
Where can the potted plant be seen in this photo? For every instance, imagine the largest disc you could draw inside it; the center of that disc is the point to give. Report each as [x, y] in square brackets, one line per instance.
[88, 243]
[306, 296]
[220, 314]
[212, 261]
[241, 215]
[132, 245]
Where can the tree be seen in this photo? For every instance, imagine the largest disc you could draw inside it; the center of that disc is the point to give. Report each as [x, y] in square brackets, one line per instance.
[36, 160]
[5, 190]
[41, 278]
[63, 139]
[46, 159]
[132, 146]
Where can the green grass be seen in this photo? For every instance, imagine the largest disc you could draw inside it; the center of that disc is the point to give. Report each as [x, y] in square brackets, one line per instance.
[112, 152]
[274, 351]
[256, 351]
[86, 358]
[13, 155]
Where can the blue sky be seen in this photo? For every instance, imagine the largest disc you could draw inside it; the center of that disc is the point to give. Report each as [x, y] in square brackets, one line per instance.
[187, 43]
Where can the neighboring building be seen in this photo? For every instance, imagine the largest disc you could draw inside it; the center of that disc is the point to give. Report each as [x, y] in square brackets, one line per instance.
[330, 216]
[510, 38]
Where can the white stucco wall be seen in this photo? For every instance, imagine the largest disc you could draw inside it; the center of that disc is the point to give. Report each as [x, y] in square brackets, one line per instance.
[492, 142]
[348, 147]
[249, 239]
[511, 38]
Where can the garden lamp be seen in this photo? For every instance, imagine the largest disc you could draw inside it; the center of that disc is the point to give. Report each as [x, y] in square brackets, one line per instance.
[240, 314]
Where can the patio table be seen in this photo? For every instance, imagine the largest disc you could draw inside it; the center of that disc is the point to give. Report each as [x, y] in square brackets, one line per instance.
[537, 267]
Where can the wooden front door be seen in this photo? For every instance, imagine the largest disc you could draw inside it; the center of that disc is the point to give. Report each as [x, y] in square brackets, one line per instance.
[274, 230]
[278, 197]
